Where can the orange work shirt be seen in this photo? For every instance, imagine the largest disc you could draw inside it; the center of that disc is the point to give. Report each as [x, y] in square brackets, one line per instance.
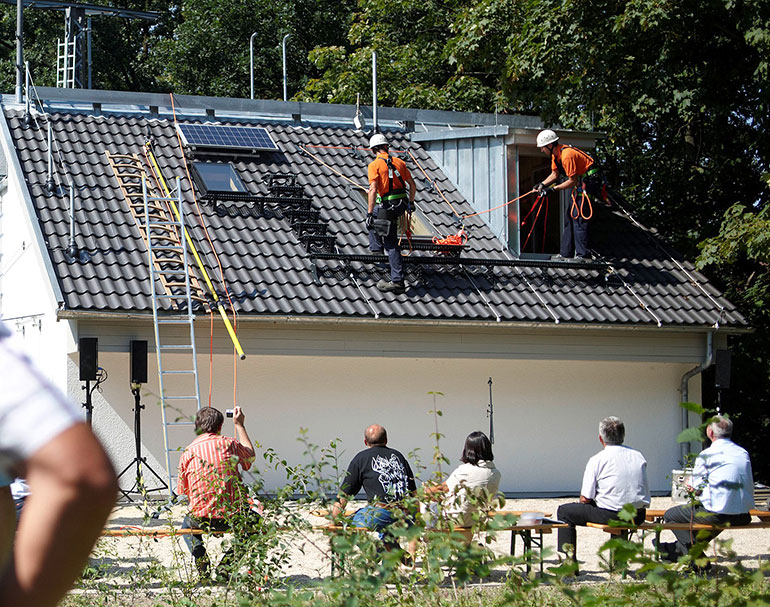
[575, 162]
[378, 172]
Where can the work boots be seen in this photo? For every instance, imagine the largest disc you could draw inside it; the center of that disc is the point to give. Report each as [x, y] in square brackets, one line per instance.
[388, 286]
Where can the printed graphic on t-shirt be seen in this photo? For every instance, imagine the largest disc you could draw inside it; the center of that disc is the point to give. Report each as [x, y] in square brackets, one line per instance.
[392, 476]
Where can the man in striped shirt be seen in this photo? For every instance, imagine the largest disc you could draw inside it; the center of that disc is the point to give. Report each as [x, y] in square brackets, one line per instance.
[210, 478]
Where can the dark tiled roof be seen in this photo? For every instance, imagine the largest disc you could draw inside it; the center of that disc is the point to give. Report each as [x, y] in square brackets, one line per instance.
[266, 267]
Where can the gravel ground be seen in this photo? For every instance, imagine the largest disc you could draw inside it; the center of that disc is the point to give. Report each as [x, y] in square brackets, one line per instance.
[152, 562]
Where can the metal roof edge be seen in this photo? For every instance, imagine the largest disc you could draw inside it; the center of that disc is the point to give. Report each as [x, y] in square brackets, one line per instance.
[411, 322]
[291, 109]
[34, 223]
[461, 133]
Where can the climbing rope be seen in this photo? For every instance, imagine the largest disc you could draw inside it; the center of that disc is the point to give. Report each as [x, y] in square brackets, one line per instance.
[578, 211]
[453, 239]
[500, 206]
[332, 169]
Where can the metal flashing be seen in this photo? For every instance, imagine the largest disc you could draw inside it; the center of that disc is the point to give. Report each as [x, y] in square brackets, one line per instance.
[461, 133]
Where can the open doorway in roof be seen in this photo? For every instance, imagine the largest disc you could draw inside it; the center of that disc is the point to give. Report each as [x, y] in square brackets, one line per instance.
[535, 226]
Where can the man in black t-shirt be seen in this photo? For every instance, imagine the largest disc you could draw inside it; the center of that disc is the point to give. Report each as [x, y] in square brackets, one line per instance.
[385, 476]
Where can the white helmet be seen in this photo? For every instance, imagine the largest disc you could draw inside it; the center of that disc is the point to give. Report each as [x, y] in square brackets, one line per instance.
[546, 137]
[377, 140]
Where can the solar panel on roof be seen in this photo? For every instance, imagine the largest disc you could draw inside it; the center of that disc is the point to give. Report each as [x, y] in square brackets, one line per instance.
[227, 137]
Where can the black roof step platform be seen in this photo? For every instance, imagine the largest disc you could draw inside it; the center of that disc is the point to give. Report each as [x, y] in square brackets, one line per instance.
[318, 243]
[287, 190]
[284, 184]
[309, 227]
[296, 215]
[467, 261]
[287, 202]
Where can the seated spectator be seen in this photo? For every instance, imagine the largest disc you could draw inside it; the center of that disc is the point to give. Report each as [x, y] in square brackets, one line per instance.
[724, 485]
[472, 484]
[210, 478]
[614, 477]
[386, 478]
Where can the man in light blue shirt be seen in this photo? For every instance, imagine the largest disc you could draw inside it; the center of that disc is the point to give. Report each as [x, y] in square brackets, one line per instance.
[724, 484]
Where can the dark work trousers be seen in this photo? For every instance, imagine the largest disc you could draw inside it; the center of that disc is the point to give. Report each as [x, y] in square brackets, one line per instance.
[195, 542]
[390, 243]
[580, 514]
[698, 514]
[575, 234]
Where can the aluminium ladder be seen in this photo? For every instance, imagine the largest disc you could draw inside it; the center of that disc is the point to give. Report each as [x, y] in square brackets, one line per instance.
[172, 310]
[174, 286]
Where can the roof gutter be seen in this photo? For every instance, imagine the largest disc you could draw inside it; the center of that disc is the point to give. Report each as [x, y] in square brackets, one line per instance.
[64, 314]
[684, 390]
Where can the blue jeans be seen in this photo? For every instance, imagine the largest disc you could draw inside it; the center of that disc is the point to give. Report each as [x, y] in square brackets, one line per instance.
[373, 517]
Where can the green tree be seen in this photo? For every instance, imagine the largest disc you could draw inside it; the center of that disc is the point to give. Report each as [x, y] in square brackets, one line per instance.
[207, 53]
[422, 62]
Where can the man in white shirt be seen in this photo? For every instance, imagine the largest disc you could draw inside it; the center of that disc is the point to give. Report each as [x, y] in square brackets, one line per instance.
[614, 477]
[723, 481]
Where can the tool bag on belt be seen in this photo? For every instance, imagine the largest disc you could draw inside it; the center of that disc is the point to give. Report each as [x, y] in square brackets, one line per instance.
[395, 201]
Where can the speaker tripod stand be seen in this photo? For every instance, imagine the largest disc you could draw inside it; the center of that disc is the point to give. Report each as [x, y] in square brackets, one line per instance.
[138, 460]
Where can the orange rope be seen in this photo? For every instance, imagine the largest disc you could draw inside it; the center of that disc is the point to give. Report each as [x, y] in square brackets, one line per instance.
[435, 185]
[203, 225]
[211, 354]
[331, 168]
[577, 212]
[500, 206]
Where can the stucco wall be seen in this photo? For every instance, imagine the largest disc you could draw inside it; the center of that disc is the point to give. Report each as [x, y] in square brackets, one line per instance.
[27, 302]
[546, 411]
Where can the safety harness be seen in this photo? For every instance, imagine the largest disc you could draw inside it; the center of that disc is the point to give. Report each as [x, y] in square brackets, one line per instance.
[584, 208]
[395, 200]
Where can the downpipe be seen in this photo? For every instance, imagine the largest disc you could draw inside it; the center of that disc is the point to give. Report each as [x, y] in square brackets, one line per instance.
[685, 392]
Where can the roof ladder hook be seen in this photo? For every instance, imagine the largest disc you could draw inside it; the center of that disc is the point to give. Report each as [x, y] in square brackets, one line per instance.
[72, 248]
[49, 184]
[363, 294]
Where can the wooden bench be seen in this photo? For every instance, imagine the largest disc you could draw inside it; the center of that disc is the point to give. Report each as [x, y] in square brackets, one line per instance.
[517, 530]
[658, 526]
[657, 515]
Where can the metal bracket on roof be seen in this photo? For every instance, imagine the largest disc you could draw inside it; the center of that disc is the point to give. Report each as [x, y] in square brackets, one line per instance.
[314, 269]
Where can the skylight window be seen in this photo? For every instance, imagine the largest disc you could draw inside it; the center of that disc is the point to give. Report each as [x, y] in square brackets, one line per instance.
[217, 177]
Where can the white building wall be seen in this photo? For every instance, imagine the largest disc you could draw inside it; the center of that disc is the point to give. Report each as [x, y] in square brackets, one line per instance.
[27, 302]
[334, 383]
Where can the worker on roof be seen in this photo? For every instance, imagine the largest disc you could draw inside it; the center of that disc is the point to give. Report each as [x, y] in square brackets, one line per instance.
[578, 170]
[388, 201]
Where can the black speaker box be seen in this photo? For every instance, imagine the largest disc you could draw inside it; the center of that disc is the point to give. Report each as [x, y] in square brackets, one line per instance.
[89, 358]
[722, 370]
[139, 361]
